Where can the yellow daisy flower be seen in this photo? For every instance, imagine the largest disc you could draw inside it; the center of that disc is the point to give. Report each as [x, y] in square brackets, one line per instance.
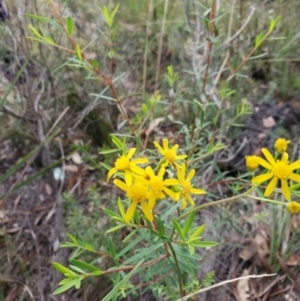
[137, 193]
[281, 145]
[170, 154]
[124, 164]
[187, 187]
[293, 207]
[278, 170]
[252, 162]
[158, 186]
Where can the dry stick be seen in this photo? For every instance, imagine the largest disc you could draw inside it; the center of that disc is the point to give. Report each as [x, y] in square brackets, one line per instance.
[162, 31]
[223, 283]
[12, 187]
[103, 77]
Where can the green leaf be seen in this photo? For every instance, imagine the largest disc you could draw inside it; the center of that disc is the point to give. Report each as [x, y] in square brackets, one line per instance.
[49, 39]
[94, 63]
[68, 245]
[111, 213]
[121, 208]
[116, 289]
[69, 23]
[106, 15]
[59, 267]
[97, 273]
[76, 269]
[191, 249]
[116, 228]
[178, 228]
[65, 287]
[258, 39]
[189, 223]
[116, 141]
[111, 53]
[72, 238]
[203, 244]
[105, 166]
[78, 52]
[35, 31]
[115, 11]
[86, 266]
[109, 151]
[160, 225]
[78, 282]
[112, 248]
[198, 232]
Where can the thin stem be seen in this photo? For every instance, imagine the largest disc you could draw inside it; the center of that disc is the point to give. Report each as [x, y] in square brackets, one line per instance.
[215, 203]
[180, 281]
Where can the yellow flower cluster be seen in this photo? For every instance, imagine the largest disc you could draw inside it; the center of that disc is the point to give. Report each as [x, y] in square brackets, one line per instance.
[279, 169]
[144, 187]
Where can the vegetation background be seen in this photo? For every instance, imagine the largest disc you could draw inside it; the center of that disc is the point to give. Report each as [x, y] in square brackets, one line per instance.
[49, 189]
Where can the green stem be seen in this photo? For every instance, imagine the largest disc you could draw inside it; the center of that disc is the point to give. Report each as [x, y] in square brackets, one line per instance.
[233, 198]
[178, 270]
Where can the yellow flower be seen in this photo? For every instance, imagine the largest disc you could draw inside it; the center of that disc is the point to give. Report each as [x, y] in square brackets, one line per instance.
[281, 145]
[124, 164]
[170, 154]
[187, 187]
[158, 186]
[137, 193]
[252, 162]
[278, 170]
[293, 207]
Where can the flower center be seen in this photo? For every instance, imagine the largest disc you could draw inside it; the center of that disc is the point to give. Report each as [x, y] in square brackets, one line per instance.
[281, 170]
[170, 155]
[186, 188]
[137, 192]
[156, 184]
[122, 163]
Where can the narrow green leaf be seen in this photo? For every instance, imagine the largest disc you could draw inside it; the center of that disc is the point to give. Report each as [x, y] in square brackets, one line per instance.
[111, 213]
[109, 151]
[121, 208]
[198, 232]
[112, 248]
[178, 228]
[65, 287]
[115, 10]
[117, 141]
[116, 228]
[94, 63]
[68, 245]
[78, 283]
[111, 53]
[49, 39]
[59, 267]
[191, 249]
[160, 225]
[272, 25]
[115, 290]
[35, 31]
[97, 273]
[86, 266]
[258, 39]
[78, 52]
[105, 166]
[204, 244]
[64, 281]
[189, 223]
[76, 269]
[72, 238]
[69, 23]
[39, 18]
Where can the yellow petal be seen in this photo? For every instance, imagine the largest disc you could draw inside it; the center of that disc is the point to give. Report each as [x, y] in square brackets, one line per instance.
[175, 196]
[183, 200]
[161, 172]
[295, 165]
[175, 148]
[138, 170]
[131, 153]
[268, 156]
[261, 178]
[271, 186]
[295, 177]
[191, 200]
[110, 173]
[121, 185]
[285, 190]
[166, 144]
[190, 175]
[180, 157]
[159, 148]
[171, 182]
[285, 158]
[152, 199]
[150, 171]
[197, 191]
[180, 174]
[139, 161]
[264, 163]
[146, 210]
[130, 211]
[128, 177]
